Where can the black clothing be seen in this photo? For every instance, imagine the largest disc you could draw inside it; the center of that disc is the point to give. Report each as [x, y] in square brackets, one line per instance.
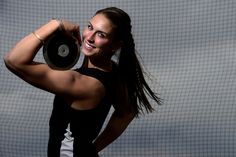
[85, 125]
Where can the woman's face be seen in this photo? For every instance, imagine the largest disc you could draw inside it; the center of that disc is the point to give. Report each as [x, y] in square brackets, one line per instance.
[97, 38]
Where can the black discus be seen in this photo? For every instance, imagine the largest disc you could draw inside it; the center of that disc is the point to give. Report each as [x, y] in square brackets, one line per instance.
[61, 51]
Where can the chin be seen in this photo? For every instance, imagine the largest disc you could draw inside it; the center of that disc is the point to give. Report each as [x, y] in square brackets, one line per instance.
[87, 53]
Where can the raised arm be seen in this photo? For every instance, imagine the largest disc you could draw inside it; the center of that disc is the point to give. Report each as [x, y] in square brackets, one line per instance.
[20, 60]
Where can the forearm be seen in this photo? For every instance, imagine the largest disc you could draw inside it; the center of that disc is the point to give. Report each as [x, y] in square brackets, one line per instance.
[115, 127]
[25, 50]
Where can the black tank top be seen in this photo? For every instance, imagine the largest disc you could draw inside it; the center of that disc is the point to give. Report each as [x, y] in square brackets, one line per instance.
[85, 125]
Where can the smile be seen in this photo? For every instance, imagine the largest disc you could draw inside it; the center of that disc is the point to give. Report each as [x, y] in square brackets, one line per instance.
[88, 46]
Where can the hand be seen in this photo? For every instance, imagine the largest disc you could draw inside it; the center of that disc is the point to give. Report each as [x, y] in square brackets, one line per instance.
[71, 29]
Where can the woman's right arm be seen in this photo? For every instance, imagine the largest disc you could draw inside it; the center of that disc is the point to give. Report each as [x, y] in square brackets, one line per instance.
[20, 60]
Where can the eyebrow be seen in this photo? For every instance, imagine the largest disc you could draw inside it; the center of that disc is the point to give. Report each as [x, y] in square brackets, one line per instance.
[98, 30]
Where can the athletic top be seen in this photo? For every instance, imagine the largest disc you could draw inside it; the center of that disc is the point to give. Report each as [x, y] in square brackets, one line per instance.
[85, 125]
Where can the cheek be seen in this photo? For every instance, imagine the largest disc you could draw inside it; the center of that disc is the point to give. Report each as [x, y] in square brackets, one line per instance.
[85, 34]
[101, 43]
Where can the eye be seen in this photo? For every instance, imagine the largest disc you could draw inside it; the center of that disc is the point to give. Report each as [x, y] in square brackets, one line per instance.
[101, 35]
[89, 26]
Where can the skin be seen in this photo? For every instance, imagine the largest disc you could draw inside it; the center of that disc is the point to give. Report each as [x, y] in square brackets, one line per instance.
[98, 42]
[82, 92]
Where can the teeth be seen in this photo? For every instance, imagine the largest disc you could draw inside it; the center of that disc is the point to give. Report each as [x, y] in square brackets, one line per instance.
[88, 46]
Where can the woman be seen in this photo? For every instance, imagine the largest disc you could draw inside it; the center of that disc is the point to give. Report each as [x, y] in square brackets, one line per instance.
[84, 96]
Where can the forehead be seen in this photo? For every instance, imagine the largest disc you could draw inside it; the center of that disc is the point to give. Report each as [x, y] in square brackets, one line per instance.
[102, 23]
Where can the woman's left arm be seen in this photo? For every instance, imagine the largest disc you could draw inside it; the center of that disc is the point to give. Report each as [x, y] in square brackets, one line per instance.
[115, 127]
[119, 121]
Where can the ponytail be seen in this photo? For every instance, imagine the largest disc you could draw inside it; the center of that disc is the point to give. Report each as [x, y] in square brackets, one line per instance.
[131, 72]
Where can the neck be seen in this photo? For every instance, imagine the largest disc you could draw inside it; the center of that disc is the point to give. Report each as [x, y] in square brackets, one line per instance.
[104, 65]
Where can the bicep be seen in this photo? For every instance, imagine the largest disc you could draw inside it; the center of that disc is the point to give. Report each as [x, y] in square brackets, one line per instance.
[43, 77]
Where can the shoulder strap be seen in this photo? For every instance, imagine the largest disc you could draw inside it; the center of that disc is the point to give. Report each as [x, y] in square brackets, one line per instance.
[102, 76]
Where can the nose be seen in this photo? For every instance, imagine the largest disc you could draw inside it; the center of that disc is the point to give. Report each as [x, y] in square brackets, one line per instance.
[91, 36]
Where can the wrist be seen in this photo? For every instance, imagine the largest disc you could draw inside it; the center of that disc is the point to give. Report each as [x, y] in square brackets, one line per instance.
[38, 37]
[47, 30]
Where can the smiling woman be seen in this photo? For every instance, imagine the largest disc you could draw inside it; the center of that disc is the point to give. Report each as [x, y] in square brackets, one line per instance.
[83, 96]
[98, 40]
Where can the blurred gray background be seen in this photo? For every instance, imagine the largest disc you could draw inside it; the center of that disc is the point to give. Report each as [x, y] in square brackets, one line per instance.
[189, 49]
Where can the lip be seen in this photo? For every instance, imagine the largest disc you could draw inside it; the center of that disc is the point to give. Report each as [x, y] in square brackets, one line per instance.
[88, 46]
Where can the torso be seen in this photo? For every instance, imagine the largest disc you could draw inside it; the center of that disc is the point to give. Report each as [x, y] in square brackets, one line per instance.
[85, 116]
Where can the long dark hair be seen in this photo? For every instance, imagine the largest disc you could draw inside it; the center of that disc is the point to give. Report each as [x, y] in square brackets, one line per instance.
[131, 72]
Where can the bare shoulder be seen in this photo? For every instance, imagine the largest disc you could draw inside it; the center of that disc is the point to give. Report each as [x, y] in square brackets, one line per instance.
[87, 86]
[86, 93]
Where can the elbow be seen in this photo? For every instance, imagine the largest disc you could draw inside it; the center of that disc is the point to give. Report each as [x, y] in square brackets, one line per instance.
[7, 60]
[9, 63]
[131, 116]
[127, 116]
